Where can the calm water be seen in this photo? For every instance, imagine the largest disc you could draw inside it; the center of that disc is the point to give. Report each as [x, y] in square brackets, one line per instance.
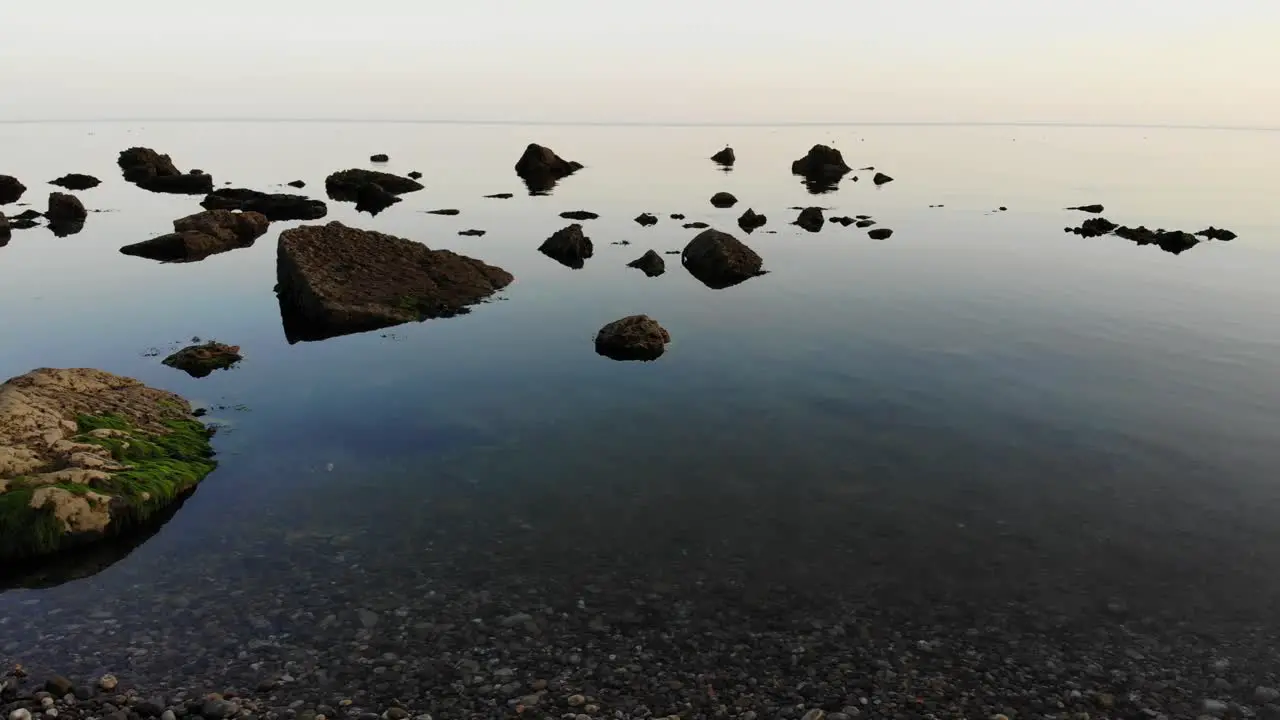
[981, 408]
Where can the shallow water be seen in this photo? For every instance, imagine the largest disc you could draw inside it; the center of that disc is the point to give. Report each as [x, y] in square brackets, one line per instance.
[978, 411]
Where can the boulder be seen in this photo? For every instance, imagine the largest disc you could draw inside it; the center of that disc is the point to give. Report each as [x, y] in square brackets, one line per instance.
[373, 199]
[637, 337]
[298, 184]
[139, 163]
[86, 455]
[198, 236]
[542, 163]
[275, 207]
[568, 246]
[1087, 208]
[1171, 241]
[334, 280]
[444, 211]
[10, 189]
[579, 215]
[76, 181]
[864, 223]
[844, 220]
[345, 185]
[810, 219]
[647, 219]
[379, 158]
[821, 162]
[1094, 227]
[880, 178]
[651, 263]
[415, 175]
[719, 260]
[65, 209]
[879, 233]
[723, 200]
[201, 360]
[1214, 233]
[751, 220]
[725, 157]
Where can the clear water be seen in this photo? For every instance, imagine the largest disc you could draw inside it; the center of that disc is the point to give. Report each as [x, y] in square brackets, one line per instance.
[981, 408]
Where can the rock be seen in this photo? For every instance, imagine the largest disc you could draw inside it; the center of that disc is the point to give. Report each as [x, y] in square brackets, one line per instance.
[1171, 241]
[379, 158]
[178, 184]
[1002, 208]
[58, 686]
[845, 220]
[568, 246]
[651, 263]
[579, 700]
[1214, 233]
[646, 219]
[1094, 227]
[725, 157]
[723, 200]
[445, 211]
[540, 167]
[500, 196]
[815, 714]
[864, 223]
[415, 175]
[637, 337]
[297, 184]
[396, 713]
[1216, 708]
[4, 230]
[751, 220]
[198, 236]
[23, 223]
[133, 449]
[201, 360]
[28, 215]
[695, 225]
[879, 233]
[274, 206]
[373, 199]
[677, 216]
[11, 189]
[472, 233]
[1088, 208]
[20, 714]
[168, 715]
[107, 683]
[64, 208]
[149, 708]
[152, 171]
[822, 168]
[1265, 695]
[217, 709]
[719, 260]
[334, 280]
[579, 215]
[76, 181]
[810, 219]
[345, 185]
[368, 618]
[880, 179]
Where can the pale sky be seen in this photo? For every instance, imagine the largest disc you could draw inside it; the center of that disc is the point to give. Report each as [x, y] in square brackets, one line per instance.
[1198, 62]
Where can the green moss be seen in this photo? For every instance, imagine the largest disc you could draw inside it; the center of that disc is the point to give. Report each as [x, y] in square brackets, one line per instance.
[27, 532]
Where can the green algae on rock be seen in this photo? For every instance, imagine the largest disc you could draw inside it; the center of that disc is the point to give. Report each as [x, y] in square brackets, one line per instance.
[86, 455]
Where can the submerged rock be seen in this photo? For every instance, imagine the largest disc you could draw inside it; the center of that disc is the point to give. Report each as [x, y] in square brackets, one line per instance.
[198, 236]
[677, 216]
[636, 337]
[86, 455]
[880, 179]
[579, 215]
[751, 220]
[568, 246]
[725, 157]
[822, 168]
[1087, 208]
[65, 209]
[696, 225]
[646, 219]
[444, 211]
[540, 168]
[651, 263]
[11, 189]
[810, 219]
[1214, 233]
[724, 200]
[472, 233]
[719, 260]
[334, 280]
[275, 207]
[879, 233]
[201, 360]
[379, 158]
[76, 181]
[500, 196]
[345, 185]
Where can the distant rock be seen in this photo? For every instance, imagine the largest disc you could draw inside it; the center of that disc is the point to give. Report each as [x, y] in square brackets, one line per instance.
[697, 225]
[651, 263]
[880, 179]
[64, 209]
[5, 232]
[844, 220]
[297, 184]
[472, 233]
[540, 168]
[415, 175]
[1171, 241]
[864, 223]
[868, 168]
[646, 219]
[810, 219]
[751, 220]
[334, 280]
[76, 181]
[276, 207]
[444, 211]
[863, 217]
[152, 171]
[579, 215]
[1214, 233]
[345, 185]
[1094, 227]
[1087, 208]
[677, 216]
[198, 236]
[373, 199]
[201, 360]
[719, 260]
[10, 189]
[568, 246]
[723, 200]
[500, 196]
[879, 233]
[725, 157]
[822, 168]
[637, 337]
[379, 158]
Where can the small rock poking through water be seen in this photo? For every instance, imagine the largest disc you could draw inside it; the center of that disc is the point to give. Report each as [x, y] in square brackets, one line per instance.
[723, 200]
[651, 263]
[646, 219]
[636, 337]
[810, 219]
[201, 360]
[719, 260]
[568, 246]
[725, 157]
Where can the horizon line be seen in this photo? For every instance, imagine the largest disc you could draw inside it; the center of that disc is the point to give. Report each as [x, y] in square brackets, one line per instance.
[659, 124]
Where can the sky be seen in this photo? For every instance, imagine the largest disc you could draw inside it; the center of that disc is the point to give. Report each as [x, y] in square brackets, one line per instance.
[1176, 62]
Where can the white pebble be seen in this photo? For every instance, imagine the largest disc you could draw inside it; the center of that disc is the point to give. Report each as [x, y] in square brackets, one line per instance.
[108, 682]
[20, 714]
[46, 703]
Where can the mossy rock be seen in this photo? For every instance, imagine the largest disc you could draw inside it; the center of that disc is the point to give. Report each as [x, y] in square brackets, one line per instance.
[86, 455]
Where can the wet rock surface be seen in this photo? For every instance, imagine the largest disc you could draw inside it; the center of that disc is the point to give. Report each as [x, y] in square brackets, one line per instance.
[822, 167]
[695, 225]
[65, 209]
[725, 157]
[636, 337]
[472, 233]
[153, 171]
[76, 181]
[750, 220]
[810, 219]
[881, 233]
[880, 179]
[719, 260]
[1171, 241]
[347, 185]
[568, 246]
[198, 236]
[579, 215]
[11, 189]
[379, 158]
[201, 360]
[334, 280]
[646, 219]
[373, 199]
[540, 168]
[276, 207]
[297, 184]
[651, 263]
[723, 200]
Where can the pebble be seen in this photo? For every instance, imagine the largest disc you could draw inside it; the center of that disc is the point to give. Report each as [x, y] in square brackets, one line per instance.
[576, 701]
[396, 713]
[46, 702]
[815, 714]
[1217, 708]
[1266, 695]
[168, 715]
[368, 618]
[108, 683]
[20, 714]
